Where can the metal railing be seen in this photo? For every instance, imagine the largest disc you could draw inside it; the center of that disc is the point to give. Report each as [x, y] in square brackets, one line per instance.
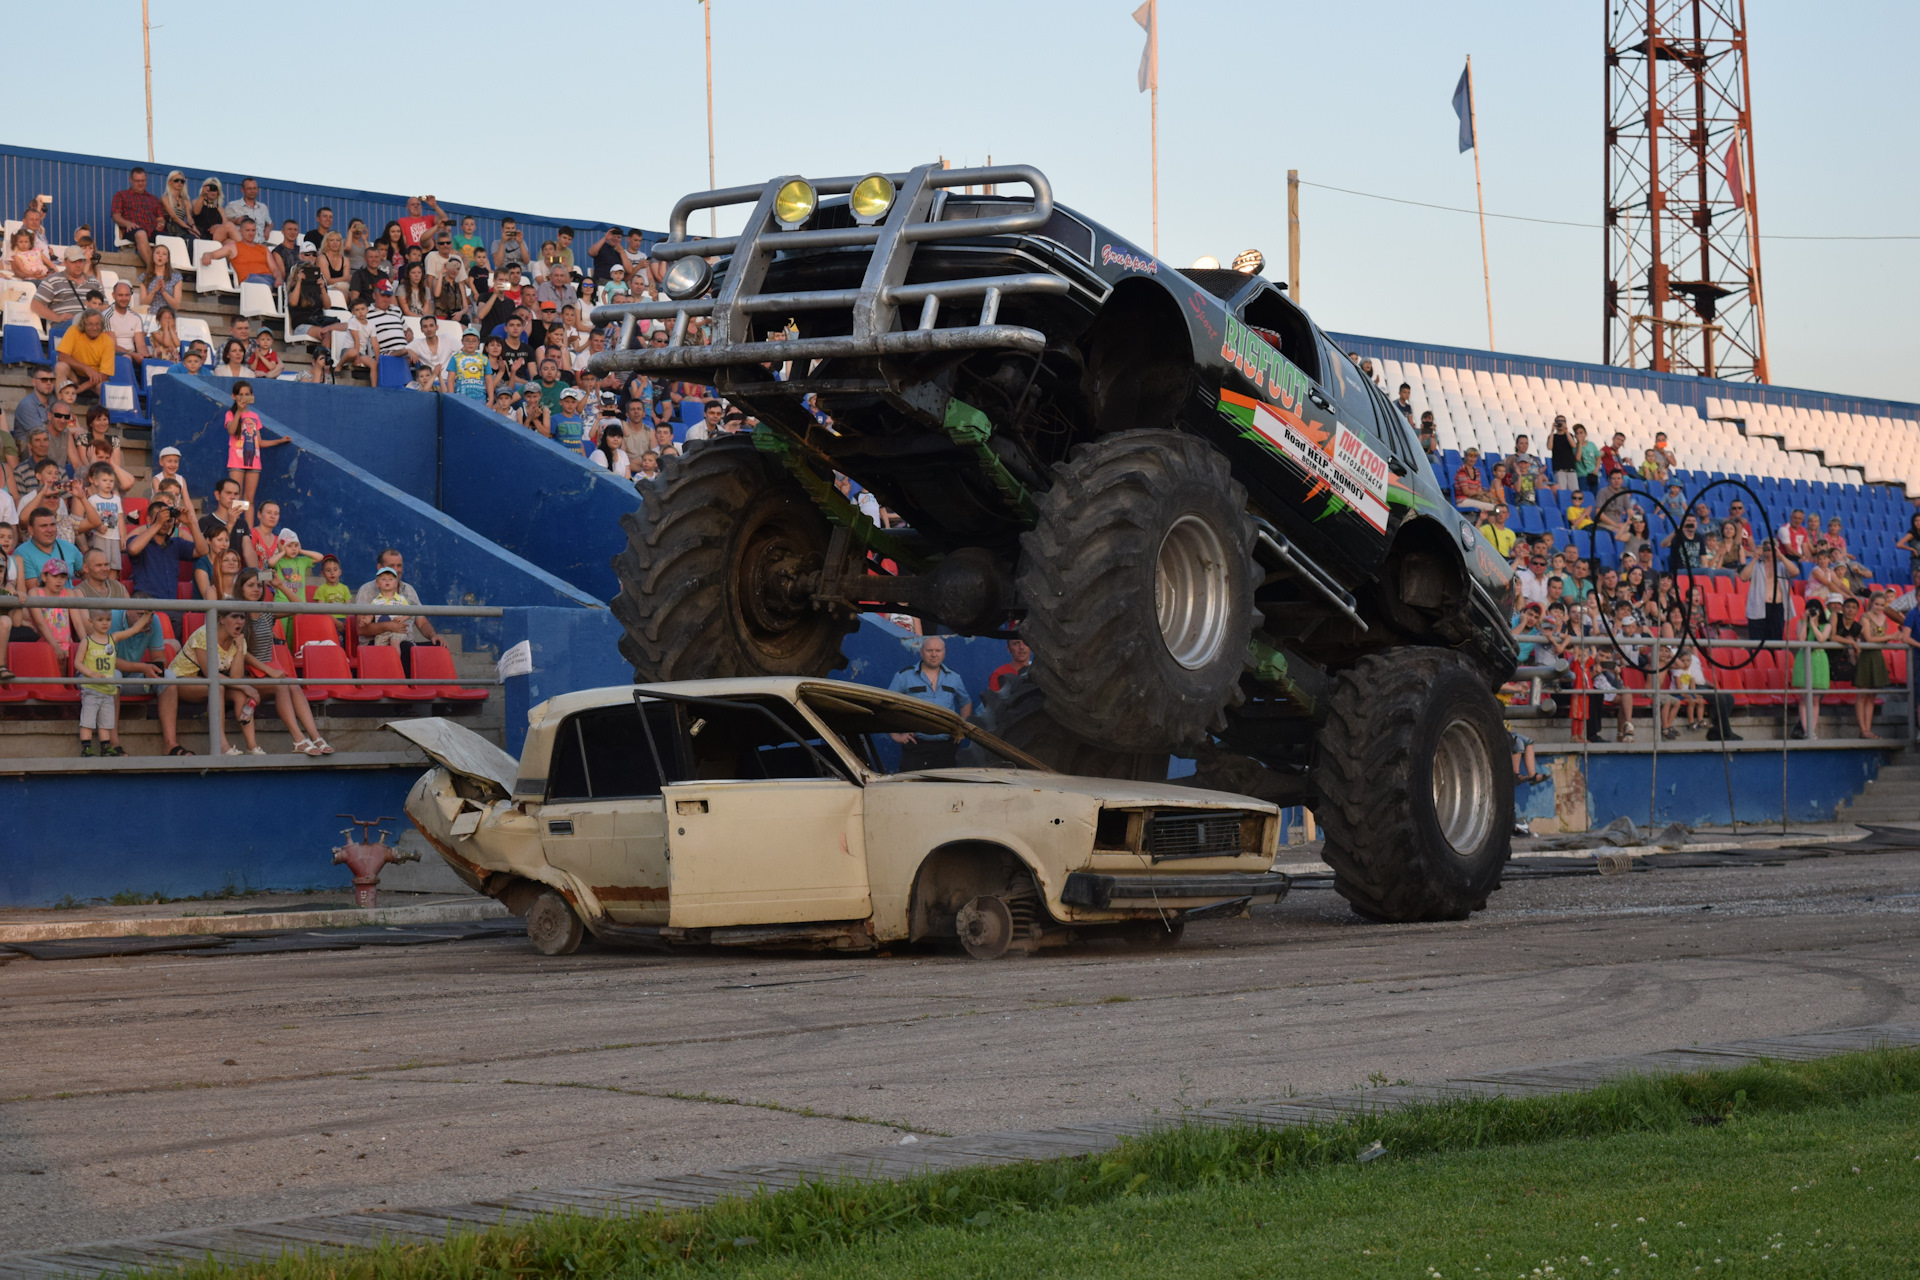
[213, 679]
[1542, 677]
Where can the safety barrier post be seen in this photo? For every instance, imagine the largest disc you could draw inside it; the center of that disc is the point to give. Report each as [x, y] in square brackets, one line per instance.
[216, 696]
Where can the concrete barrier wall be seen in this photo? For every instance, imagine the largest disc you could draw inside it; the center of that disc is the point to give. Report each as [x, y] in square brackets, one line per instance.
[342, 508]
[187, 834]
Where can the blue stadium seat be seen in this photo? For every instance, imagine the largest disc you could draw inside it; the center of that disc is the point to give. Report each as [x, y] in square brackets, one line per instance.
[395, 372]
[21, 345]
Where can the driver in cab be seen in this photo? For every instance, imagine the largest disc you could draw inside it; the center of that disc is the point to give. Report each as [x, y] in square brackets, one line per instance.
[930, 681]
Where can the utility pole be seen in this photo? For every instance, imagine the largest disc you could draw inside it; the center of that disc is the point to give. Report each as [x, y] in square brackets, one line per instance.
[1293, 234]
[146, 57]
[713, 215]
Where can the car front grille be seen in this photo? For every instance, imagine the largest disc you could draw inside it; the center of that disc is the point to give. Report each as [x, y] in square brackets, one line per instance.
[1197, 835]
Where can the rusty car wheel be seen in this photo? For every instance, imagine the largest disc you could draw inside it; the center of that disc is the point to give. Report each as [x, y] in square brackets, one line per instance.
[552, 926]
[985, 926]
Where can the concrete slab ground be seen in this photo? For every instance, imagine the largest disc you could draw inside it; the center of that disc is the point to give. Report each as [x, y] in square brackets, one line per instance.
[151, 1094]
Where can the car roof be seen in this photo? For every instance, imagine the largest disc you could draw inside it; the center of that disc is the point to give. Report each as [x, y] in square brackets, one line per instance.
[555, 709]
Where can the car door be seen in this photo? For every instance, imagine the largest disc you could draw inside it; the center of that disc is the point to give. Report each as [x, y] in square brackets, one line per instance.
[763, 824]
[605, 818]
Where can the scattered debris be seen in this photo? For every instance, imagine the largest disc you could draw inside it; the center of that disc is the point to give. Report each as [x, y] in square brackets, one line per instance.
[1373, 1152]
[908, 1140]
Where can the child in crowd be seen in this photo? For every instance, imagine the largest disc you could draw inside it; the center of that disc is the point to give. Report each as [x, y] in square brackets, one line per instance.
[108, 510]
[333, 591]
[99, 657]
[245, 440]
[292, 568]
[423, 379]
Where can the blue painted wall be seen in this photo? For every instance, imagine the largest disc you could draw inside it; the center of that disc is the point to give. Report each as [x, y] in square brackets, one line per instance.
[573, 649]
[341, 508]
[1694, 787]
[181, 850]
[394, 434]
[530, 495]
[513, 487]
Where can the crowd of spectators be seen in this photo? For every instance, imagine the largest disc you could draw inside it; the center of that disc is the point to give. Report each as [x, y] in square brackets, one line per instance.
[1794, 582]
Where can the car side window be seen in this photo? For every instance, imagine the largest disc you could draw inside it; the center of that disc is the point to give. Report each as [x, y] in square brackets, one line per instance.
[725, 743]
[602, 754]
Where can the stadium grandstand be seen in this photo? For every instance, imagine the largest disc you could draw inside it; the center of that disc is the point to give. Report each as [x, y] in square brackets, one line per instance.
[493, 500]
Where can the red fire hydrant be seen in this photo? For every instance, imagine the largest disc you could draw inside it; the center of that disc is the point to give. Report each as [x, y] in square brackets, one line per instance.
[367, 858]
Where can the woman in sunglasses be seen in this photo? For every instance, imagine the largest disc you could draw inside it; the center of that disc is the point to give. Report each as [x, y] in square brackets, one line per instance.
[176, 208]
[209, 220]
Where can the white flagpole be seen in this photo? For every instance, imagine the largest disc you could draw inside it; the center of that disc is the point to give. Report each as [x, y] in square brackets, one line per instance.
[1153, 38]
[713, 215]
[146, 57]
[1486, 272]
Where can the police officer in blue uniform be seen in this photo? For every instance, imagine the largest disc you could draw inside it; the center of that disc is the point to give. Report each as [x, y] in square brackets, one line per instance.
[930, 681]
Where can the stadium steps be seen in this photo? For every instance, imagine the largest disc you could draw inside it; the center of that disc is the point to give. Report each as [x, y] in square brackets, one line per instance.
[1894, 796]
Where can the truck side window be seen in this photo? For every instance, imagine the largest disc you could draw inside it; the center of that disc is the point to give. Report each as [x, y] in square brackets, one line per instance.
[1344, 381]
[1269, 314]
[602, 754]
[1397, 432]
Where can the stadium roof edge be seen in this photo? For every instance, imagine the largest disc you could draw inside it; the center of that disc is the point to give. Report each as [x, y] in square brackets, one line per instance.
[1675, 388]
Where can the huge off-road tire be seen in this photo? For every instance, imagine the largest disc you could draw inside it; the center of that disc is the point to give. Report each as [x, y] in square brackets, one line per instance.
[1138, 581]
[712, 583]
[1416, 786]
[1017, 715]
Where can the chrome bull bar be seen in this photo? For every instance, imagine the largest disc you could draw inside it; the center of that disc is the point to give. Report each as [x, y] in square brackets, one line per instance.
[875, 304]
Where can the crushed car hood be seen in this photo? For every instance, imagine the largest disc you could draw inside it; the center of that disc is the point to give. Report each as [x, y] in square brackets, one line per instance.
[460, 749]
[1112, 791]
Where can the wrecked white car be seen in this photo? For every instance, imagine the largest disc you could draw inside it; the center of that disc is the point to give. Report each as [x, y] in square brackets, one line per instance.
[771, 813]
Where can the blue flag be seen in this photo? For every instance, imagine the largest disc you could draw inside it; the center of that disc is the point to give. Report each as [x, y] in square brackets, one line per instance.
[1463, 107]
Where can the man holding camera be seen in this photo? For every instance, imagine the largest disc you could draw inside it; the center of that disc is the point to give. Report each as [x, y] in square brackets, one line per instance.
[157, 547]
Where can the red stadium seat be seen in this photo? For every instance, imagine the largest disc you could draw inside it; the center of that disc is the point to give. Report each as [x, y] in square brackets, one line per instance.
[38, 659]
[382, 662]
[435, 662]
[314, 629]
[166, 626]
[328, 662]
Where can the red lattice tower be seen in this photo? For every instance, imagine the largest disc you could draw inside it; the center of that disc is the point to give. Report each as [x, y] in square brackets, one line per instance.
[1683, 288]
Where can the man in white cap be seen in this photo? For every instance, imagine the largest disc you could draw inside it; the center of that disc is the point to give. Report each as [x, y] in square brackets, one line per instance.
[64, 296]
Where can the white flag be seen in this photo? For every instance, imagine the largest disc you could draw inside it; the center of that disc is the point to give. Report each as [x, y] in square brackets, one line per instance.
[1149, 56]
[517, 661]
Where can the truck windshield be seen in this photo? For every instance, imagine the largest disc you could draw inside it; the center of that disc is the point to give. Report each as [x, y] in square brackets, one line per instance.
[872, 731]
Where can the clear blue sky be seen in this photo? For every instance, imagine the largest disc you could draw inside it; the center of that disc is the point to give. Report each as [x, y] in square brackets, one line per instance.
[596, 108]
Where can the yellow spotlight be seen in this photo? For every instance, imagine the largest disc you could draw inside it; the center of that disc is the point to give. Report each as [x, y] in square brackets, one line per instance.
[871, 198]
[794, 204]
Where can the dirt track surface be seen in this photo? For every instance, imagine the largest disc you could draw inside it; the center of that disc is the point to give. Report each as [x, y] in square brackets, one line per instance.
[149, 1094]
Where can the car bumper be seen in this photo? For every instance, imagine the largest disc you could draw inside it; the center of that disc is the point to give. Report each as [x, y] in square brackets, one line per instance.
[1186, 895]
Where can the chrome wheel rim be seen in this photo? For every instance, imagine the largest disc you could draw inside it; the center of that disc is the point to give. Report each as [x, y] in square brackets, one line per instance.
[1190, 592]
[1462, 787]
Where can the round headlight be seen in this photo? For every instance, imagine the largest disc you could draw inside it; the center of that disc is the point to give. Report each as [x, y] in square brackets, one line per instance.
[794, 204]
[688, 278]
[871, 198]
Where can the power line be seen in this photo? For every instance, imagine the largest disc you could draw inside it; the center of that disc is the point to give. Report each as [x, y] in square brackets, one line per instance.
[1550, 222]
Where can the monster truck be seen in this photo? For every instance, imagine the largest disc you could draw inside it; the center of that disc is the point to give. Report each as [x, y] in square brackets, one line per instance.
[1219, 538]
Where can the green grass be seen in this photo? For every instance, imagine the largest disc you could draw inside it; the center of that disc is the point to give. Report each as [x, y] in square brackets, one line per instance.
[1814, 1167]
